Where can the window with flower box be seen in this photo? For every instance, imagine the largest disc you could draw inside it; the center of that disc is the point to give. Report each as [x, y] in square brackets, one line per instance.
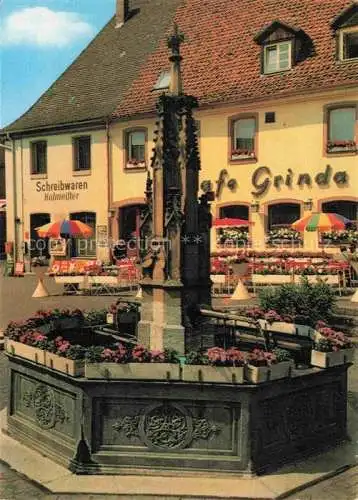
[348, 236]
[341, 123]
[280, 218]
[243, 138]
[135, 148]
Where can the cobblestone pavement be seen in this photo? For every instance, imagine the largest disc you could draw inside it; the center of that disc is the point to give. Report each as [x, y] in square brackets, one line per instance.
[16, 303]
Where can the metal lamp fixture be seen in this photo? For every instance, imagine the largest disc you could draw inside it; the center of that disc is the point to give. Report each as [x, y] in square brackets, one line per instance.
[308, 205]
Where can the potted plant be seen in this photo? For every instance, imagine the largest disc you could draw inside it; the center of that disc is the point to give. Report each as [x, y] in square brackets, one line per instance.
[136, 363]
[66, 358]
[264, 366]
[216, 365]
[331, 349]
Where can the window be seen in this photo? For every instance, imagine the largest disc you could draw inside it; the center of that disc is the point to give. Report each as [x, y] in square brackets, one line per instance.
[342, 129]
[82, 153]
[136, 149]
[348, 44]
[38, 246]
[39, 157]
[84, 247]
[270, 117]
[243, 139]
[277, 57]
[163, 81]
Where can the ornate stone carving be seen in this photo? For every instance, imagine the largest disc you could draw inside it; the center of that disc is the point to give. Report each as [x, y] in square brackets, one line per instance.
[47, 410]
[166, 427]
[129, 426]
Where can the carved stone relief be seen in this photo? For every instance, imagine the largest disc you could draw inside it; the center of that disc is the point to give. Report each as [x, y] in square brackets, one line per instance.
[166, 427]
[48, 412]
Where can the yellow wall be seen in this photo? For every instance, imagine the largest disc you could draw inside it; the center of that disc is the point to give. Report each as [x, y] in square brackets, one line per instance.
[295, 141]
[29, 200]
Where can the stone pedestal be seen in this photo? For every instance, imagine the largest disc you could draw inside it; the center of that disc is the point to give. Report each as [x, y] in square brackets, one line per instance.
[160, 326]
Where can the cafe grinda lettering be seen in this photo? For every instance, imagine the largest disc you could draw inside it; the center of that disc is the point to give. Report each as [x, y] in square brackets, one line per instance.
[58, 191]
[262, 180]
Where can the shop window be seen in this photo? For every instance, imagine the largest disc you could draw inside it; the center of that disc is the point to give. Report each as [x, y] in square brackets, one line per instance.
[348, 209]
[135, 148]
[39, 247]
[280, 218]
[39, 157]
[233, 236]
[243, 138]
[129, 230]
[342, 129]
[84, 247]
[82, 153]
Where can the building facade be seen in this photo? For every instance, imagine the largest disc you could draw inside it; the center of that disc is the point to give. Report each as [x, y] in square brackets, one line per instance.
[277, 122]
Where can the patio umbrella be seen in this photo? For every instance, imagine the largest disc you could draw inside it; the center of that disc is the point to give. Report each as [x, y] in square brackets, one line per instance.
[321, 222]
[227, 222]
[64, 229]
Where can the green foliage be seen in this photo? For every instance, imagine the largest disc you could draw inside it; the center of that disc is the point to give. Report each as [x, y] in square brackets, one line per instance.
[307, 303]
[95, 316]
[324, 345]
[197, 358]
[94, 354]
[282, 354]
[76, 352]
[171, 356]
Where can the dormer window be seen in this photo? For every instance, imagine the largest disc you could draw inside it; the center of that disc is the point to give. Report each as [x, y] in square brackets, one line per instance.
[163, 81]
[278, 57]
[346, 27]
[283, 46]
[348, 44]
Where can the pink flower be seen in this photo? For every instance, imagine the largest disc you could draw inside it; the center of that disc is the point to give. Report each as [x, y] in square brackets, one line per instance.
[157, 356]
[216, 355]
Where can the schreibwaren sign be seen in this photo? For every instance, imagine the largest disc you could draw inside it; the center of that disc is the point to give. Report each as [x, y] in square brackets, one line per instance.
[60, 190]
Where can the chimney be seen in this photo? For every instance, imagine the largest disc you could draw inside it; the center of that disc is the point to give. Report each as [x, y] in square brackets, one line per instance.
[121, 12]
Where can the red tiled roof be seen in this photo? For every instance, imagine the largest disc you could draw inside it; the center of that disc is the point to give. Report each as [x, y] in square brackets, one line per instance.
[222, 62]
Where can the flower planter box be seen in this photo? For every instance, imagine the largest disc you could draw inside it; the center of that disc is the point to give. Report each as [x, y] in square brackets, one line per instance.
[69, 279]
[130, 371]
[329, 359]
[110, 319]
[274, 279]
[26, 351]
[259, 374]
[331, 279]
[213, 374]
[75, 368]
[103, 280]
